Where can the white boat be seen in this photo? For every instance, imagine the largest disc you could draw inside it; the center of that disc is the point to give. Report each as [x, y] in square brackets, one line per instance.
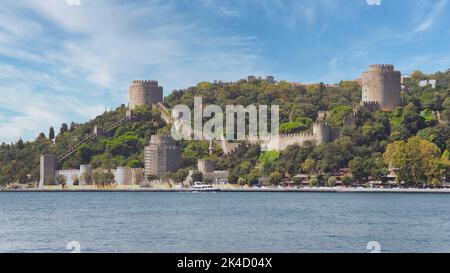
[202, 187]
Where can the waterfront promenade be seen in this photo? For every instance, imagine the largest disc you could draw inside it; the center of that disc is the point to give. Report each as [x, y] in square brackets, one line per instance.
[242, 189]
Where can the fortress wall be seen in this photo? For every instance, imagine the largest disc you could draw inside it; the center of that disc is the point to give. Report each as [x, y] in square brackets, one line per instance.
[282, 142]
[229, 147]
[322, 133]
[165, 113]
[68, 174]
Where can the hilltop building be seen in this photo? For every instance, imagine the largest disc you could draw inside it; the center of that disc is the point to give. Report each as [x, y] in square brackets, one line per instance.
[424, 83]
[381, 87]
[145, 92]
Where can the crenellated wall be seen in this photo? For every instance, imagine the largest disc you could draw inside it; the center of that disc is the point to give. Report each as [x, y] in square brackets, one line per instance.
[122, 175]
[69, 175]
[322, 133]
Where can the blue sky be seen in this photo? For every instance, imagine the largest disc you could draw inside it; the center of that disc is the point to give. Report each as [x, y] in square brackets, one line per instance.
[61, 62]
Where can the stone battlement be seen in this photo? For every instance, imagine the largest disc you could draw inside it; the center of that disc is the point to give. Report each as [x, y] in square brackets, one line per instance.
[368, 103]
[206, 160]
[381, 68]
[381, 84]
[144, 93]
[268, 137]
[144, 83]
[377, 67]
[68, 172]
[162, 139]
[317, 124]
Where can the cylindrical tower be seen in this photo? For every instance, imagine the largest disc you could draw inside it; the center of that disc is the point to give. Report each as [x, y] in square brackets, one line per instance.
[86, 175]
[205, 166]
[123, 176]
[381, 85]
[322, 132]
[144, 93]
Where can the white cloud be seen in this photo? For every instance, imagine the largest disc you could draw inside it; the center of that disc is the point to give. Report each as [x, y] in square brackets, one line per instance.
[430, 18]
[69, 62]
[34, 112]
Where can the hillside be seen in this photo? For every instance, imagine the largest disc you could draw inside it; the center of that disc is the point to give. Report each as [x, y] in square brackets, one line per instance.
[360, 147]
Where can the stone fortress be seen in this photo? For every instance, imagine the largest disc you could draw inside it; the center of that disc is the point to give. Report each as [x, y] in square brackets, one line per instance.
[381, 86]
[144, 93]
[164, 158]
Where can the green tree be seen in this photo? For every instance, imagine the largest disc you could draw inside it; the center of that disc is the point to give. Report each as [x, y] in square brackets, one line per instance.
[61, 180]
[275, 178]
[86, 177]
[313, 182]
[412, 160]
[331, 182]
[360, 168]
[346, 180]
[151, 177]
[76, 180]
[197, 176]
[51, 133]
[309, 166]
[64, 128]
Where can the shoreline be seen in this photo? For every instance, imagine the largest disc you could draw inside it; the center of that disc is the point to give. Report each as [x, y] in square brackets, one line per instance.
[285, 190]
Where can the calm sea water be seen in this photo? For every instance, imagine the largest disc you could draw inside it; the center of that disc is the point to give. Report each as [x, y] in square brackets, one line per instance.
[224, 222]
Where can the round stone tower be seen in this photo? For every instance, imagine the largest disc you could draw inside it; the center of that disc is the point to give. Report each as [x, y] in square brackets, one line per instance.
[144, 93]
[86, 170]
[381, 86]
[123, 176]
[322, 132]
[205, 166]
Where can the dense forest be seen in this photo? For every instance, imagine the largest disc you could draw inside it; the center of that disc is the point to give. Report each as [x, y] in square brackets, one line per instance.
[414, 139]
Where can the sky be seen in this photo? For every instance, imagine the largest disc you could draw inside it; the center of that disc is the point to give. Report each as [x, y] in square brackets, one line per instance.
[69, 60]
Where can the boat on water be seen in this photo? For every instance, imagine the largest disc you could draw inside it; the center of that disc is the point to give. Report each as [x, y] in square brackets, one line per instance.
[202, 187]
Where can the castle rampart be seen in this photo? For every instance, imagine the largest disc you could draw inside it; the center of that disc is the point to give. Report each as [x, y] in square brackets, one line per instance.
[322, 133]
[122, 176]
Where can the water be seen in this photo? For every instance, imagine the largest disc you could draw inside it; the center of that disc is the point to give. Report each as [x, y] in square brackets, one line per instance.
[224, 222]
